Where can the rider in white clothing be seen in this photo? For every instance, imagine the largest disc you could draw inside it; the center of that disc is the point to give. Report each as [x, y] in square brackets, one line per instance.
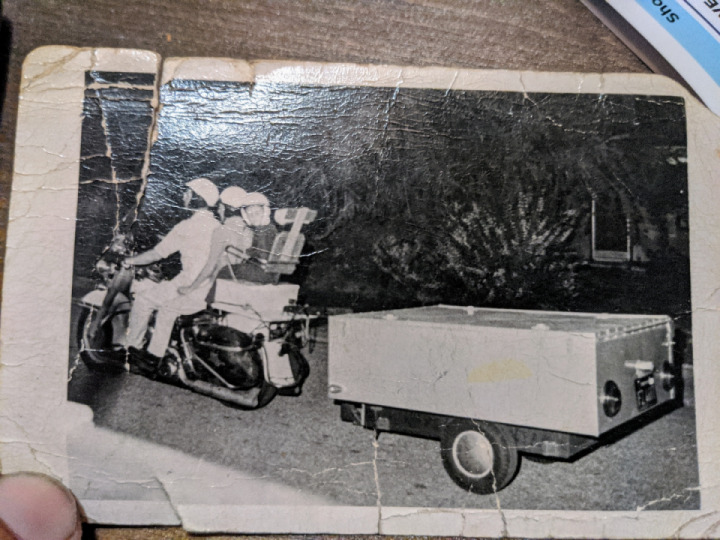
[191, 238]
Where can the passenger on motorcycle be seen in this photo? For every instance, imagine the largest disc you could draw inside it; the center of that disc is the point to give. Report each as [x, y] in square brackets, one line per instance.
[255, 211]
[248, 230]
[192, 239]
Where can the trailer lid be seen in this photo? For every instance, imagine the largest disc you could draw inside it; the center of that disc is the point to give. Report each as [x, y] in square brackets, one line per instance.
[597, 323]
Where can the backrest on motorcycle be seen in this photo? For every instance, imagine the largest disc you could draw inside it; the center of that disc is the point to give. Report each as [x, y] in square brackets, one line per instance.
[281, 261]
[270, 256]
[288, 216]
[287, 247]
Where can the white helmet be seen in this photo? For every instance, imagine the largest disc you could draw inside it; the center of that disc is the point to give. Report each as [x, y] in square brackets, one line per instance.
[256, 198]
[205, 189]
[233, 196]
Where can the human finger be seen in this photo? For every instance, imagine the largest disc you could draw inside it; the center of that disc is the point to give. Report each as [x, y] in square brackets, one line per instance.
[37, 507]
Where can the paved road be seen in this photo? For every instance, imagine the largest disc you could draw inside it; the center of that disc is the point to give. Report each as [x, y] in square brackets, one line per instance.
[302, 443]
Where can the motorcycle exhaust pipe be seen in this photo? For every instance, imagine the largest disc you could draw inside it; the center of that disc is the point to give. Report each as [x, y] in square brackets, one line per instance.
[241, 398]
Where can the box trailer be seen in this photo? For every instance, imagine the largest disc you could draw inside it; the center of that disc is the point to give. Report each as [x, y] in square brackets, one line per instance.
[491, 383]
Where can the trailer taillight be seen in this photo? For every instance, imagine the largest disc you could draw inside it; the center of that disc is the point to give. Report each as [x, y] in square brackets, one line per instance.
[611, 399]
[667, 376]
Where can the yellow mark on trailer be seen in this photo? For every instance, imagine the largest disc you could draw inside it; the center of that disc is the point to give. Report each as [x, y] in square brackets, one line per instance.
[502, 370]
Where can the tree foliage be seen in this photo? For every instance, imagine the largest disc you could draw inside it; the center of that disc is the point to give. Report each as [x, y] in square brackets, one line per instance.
[504, 247]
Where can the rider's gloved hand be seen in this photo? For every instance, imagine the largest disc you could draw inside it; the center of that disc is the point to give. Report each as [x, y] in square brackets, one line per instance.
[36, 507]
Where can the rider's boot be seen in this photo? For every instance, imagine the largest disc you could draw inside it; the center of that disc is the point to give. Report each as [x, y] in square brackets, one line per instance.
[143, 363]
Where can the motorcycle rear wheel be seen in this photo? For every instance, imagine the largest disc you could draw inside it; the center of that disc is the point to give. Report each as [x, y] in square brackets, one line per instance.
[267, 391]
[229, 352]
[96, 351]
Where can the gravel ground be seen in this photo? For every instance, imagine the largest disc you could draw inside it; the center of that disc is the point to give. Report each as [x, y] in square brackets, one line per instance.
[302, 443]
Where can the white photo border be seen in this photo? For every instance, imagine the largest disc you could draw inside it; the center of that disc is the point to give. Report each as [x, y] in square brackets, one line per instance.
[38, 421]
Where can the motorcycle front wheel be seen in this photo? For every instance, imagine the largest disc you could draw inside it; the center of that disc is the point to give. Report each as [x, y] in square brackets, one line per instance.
[96, 350]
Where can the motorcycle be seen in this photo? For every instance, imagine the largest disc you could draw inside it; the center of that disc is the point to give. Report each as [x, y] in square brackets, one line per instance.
[243, 350]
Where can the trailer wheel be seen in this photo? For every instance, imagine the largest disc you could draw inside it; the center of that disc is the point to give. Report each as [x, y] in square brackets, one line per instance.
[479, 456]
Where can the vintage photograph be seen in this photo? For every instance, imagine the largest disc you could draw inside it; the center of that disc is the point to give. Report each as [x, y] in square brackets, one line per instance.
[390, 296]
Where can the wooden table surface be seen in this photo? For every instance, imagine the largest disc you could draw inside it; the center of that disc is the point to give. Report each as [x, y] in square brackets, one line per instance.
[549, 35]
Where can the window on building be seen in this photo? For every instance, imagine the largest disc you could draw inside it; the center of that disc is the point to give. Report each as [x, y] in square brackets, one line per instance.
[610, 230]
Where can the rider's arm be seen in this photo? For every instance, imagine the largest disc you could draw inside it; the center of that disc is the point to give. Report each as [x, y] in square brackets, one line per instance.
[166, 247]
[142, 259]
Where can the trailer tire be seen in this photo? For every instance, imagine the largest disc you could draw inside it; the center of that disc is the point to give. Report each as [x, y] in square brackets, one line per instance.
[480, 457]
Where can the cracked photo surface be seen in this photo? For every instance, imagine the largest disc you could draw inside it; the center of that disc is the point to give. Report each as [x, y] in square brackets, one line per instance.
[280, 297]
